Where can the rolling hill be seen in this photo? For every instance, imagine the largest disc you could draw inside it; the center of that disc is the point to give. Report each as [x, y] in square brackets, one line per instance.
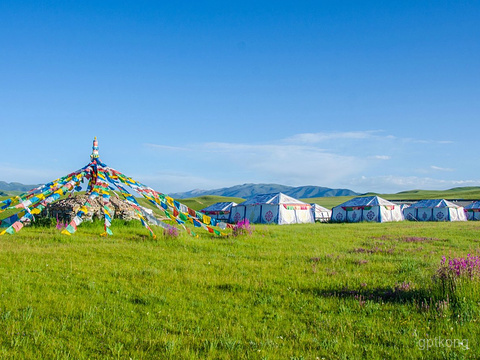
[15, 186]
[248, 190]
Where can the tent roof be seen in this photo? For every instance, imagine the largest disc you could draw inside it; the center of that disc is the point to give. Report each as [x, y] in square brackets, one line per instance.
[220, 206]
[431, 203]
[473, 205]
[319, 207]
[366, 201]
[272, 199]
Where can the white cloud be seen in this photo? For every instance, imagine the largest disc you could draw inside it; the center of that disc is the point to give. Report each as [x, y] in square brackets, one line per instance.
[373, 135]
[391, 183]
[165, 147]
[382, 157]
[334, 159]
[170, 182]
[229, 164]
[438, 168]
[313, 138]
[426, 141]
[304, 159]
[296, 164]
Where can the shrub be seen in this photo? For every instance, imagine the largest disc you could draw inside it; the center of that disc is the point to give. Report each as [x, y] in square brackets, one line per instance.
[42, 222]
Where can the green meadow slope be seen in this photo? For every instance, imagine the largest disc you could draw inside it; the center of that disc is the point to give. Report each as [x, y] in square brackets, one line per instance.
[201, 202]
[467, 193]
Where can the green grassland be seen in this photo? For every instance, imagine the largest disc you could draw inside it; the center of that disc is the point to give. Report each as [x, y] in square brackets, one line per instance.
[312, 291]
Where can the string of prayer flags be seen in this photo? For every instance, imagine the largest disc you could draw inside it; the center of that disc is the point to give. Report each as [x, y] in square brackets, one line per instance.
[103, 181]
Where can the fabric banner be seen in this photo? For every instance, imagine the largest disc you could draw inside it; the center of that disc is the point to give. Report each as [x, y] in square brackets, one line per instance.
[103, 181]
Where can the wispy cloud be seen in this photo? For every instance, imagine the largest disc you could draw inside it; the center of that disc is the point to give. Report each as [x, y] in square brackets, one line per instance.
[165, 147]
[181, 181]
[392, 183]
[322, 137]
[328, 159]
[314, 138]
[426, 141]
[294, 163]
[382, 157]
[290, 164]
[438, 168]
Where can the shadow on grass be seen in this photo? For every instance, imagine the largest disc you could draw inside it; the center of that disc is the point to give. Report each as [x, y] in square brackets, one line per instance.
[379, 294]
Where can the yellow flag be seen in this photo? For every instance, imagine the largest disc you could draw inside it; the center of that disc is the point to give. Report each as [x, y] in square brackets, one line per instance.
[206, 219]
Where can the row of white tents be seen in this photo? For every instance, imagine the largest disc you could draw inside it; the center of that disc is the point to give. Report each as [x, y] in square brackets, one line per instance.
[282, 209]
[275, 208]
[374, 208]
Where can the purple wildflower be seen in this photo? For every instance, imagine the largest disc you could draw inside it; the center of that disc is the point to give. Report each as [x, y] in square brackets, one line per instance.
[404, 286]
[242, 228]
[171, 232]
[460, 267]
[60, 225]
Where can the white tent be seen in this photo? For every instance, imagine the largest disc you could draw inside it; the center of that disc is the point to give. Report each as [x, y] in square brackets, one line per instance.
[473, 211]
[370, 208]
[435, 210]
[220, 210]
[274, 208]
[320, 213]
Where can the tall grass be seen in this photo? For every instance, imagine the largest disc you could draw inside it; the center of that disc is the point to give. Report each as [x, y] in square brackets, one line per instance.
[302, 291]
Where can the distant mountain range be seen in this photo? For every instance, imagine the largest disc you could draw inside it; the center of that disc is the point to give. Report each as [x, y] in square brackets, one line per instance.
[248, 190]
[15, 186]
[242, 191]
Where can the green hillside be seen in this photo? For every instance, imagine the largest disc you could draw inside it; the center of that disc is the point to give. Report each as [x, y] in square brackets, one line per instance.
[467, 193]
[198, 203]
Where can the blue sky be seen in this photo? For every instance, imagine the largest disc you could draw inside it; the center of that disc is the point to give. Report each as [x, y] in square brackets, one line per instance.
[377, 96]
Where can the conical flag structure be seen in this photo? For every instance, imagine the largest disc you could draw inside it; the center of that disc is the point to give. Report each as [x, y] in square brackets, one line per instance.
[103, 181]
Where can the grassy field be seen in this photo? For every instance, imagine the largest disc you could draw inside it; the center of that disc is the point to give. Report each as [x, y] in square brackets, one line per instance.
[333, 291]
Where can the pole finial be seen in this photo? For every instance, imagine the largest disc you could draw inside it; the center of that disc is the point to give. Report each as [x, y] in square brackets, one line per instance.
[94, 149]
